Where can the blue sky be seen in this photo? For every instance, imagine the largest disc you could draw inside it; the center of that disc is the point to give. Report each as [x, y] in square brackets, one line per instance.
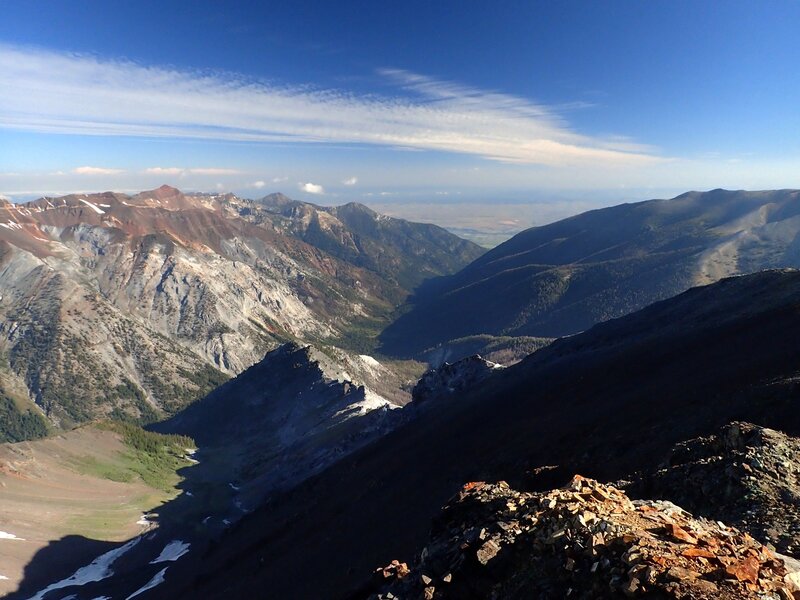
[406, 100]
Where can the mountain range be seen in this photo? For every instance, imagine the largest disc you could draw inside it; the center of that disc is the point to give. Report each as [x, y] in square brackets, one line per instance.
[132, 306]
[561, 278]
[646, 346]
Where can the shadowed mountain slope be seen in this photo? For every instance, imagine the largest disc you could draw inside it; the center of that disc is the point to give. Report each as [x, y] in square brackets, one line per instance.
[290, 416]
[603, 403]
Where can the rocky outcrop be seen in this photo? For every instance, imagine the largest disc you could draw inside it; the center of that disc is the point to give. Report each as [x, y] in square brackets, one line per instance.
[745, 475]
[450, 379]
[586, 540]
[287, 417]
[740, 539]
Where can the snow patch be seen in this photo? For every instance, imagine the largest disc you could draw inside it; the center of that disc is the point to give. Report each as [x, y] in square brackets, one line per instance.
[371, 401]
[10, 536]
[157, 579]
[94, 207]
[97, 570]
[369, 360]
[172, 551]
[3, 578]
[145, 520]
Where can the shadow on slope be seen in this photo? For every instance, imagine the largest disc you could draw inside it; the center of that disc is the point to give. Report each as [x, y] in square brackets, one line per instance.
[603, 403]
[280, 421]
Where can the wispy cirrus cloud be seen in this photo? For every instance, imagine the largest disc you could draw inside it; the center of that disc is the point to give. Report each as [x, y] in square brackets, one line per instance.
[96, 171]
[47, 91]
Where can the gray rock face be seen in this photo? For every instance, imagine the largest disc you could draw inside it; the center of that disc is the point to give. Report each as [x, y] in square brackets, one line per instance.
[745, 475]
[450, 379]
[136, 305]
[286, 418]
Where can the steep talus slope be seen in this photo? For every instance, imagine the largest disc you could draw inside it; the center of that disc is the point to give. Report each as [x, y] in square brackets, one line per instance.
[135, 305]
[78, 356]
[605, 403]
[562, 278]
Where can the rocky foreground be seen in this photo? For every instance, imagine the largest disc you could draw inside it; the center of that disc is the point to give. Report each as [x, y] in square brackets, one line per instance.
[744, 475]
[586, 540]
[591, 540]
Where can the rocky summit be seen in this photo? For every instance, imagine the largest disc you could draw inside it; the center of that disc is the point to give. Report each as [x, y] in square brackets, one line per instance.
[635, 538]
[585, 540]
[744, 475]
[450, 379]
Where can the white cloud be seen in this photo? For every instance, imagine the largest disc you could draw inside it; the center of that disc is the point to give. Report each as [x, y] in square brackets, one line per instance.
[181, 172]
[96, 171]
[213, 171]
[259, 184]
[311, 188]
[46, 91]
[350, 181]
[279, 179]
[164, 171]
